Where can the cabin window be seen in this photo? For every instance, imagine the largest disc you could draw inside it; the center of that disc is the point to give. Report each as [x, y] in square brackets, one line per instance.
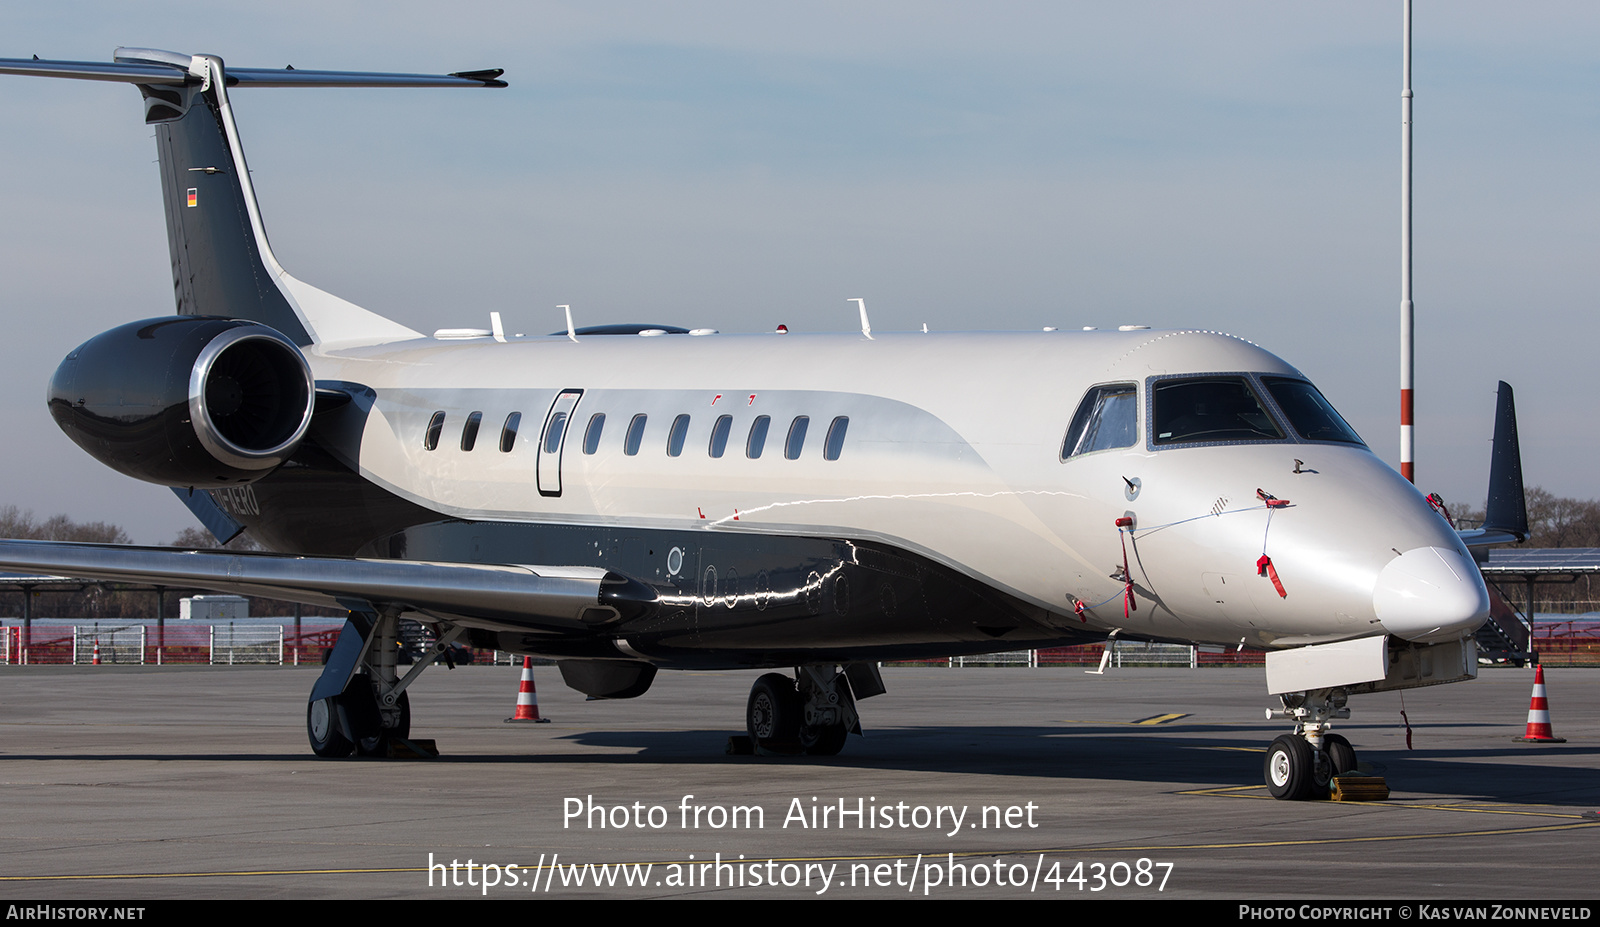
[630, 444]
[591, 435]
[719, 435]
[797, 437]
[554, 431]
[835, 442]
[469, 431]
[430, 439]
[1310, 414]
[1209, 409]
[508, 434]
[679, 431]
[758, 436]
[1107, 417]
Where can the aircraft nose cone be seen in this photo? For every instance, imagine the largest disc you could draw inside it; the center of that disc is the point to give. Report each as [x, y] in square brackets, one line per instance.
[1430, 593]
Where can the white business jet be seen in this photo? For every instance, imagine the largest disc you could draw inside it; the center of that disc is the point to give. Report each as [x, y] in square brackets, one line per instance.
[634, 497]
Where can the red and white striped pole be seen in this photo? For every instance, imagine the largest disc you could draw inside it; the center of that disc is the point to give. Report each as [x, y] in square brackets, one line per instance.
[1407, 318]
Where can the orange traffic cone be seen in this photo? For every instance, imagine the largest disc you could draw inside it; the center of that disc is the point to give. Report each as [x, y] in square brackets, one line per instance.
[96, 661]
[527, 697]
[1539, 731]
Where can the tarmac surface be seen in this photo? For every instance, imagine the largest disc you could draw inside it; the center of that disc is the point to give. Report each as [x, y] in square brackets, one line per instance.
[197, 782]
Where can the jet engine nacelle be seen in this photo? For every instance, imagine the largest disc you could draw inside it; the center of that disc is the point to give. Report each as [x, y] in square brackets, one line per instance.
[186, 400]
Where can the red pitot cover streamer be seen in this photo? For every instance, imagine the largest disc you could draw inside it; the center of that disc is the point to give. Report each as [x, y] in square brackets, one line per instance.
[1265, 568]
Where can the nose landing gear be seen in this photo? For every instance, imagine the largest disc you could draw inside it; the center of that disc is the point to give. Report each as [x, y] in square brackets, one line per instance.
[1302, 765]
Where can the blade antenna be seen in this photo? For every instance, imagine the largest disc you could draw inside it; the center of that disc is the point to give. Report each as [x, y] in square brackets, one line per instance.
[866, 326]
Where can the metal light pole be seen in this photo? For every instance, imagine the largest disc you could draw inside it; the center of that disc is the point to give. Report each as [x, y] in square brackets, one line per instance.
[1407, 310]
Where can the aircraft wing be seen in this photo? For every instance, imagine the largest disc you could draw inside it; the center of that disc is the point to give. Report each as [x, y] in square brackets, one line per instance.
[510, 596]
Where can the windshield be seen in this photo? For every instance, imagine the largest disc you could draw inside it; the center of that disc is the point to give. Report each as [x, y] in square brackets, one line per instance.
[1311, 415]
[1209, 409]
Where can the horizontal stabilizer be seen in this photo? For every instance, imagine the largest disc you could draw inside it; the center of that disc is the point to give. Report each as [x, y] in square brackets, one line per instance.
[157, 68]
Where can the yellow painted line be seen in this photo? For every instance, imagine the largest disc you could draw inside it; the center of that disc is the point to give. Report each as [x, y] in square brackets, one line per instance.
[1239, 791]
[1571, 815]
[1326, 841]
[1159, 719]
[1054, 851]
[1223, 789]
[1164, 719]
[965, 854]
[89, 876]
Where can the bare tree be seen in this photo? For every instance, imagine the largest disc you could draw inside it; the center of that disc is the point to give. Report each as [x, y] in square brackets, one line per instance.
[201, 539]
[18, 523]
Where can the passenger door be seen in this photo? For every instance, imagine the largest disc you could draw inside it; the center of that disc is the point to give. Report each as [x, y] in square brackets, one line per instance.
[553, 438]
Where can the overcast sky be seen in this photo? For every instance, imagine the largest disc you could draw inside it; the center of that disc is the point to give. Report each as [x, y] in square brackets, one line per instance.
[1231, 166]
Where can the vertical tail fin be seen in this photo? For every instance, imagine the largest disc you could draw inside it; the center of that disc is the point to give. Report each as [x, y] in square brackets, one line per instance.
[1505, 518]
[1507, 508]
[222, 264]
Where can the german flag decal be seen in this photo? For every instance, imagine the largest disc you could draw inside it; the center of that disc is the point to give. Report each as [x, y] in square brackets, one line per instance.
[194, 197]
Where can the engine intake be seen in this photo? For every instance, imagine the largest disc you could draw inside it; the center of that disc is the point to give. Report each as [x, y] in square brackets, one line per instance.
[186, 400]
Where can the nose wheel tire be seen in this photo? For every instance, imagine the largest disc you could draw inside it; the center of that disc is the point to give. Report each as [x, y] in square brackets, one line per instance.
[772, 715]
[1290, 768]
[378, 744]
[1341, 756]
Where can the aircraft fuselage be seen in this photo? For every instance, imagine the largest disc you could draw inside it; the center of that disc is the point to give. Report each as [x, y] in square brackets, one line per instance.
[947, 522]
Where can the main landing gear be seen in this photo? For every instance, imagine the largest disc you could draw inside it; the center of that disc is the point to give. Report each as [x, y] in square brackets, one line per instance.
[1302, 765]
[359, 704]
[813, 713]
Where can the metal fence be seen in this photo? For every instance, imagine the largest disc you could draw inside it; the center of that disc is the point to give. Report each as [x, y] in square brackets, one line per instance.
[145, 644]
[233, 644]
[220, 644]
[1123, 653]
[1559, 643]
[108, 644]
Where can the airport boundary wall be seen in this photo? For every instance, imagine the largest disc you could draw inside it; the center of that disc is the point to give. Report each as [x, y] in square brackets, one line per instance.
[147, 644]
[253, 643]
[1123, 653]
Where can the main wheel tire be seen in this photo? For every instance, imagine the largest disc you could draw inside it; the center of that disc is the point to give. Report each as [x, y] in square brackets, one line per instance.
[322, 727]
[772, 715]
[378, 744]
[1341, 755]
[823, 741]
[1290, 768]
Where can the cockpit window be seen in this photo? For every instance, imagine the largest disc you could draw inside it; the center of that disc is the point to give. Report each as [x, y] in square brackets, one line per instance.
[1107, 417]
[1312, 416]
[1209, 409]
